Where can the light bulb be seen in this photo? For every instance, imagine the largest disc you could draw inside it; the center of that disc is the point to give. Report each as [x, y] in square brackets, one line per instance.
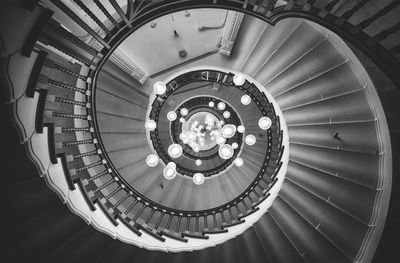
[181, 119]
[159, 88]
[171, 116]
[240, 129]
[226, 114]
[226, 151]
[235, 145]
[169, 172]
[198, 178]
[264, 123]
[175, 150]
[221, 105]
[198, 162]
[250, 140]
[245, 99]
[191, 135]
[183, 136]
[239, 79]
[228, 130]
[152, 160]
[150, 125]
[211, 104]
[238, 162]
[172, 164]
[184, 111]
[220, 140]
[196, 149]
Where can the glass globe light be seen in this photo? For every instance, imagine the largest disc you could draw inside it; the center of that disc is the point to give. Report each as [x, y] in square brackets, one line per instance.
[226, 151]
[198, 162]
[220, 140]
[196, 149]
[211, 104]
[235, 145]
[221, 106]
[240, 129]
[238, 162]
[264, 123]
[150, 125]
[228, 130]
[181, 119]
[184, 111]
[239, 79]
[169, 172]
[175, 150]
[226, 114]
[245, 99]
[171, 116]
[172, 164]
[250, 140]
[183, 136]
[198, 178]
[159, 88]
[191, 135]
[152, 160]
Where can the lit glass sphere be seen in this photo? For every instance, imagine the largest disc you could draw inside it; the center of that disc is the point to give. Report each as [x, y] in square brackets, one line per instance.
[181, 119]
[239, 79]
[245, 99]
[198, 178]
[241, 129]
[211, 104]
[264, 123]
[171, 116]
[196, 149]
[220, 140]
[172, 164]
[226, 114]
[150, 125]
[226, 151]
[198, 162]
[159, 88]
[221, 106]
[235, 145]
[152, 160]
[184, 111]
[183, 136]
[169, 172]
[191, 135]
[238, 162]
[175, 150]
[250, 140]
[228, 130]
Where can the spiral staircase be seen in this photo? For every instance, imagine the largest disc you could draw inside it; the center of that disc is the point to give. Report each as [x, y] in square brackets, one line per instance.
[320, 186]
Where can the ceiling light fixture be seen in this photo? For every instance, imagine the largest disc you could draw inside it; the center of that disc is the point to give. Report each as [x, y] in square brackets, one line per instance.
[184, 111]
[159, 88]
[221, 105]
[150, 125]
[169, 171]
[238, 162]
[228, 130]
[198, 178]
[211, 104]
[264, 123]
[226, 114]
[171, 116]
[152, 160]
[175, 150]
[226, 151]
[250, 139]
[239, 79]
[235, 145]
[198, 162]
[241, 129]
[245, 99]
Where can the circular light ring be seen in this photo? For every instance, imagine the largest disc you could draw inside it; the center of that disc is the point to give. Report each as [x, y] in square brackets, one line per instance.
[171, 116]
[150, 125]
[184, 111]
[198, 162]
[245, 99]
[239, 79]
[226, 114]
[250, 139]
[175, 150]
[228, 130]
[241, 129]
[152, 160]
[198, 178]
[169, 172]
[264, 123]
[159, 88]
[226, 151]
[238, 162]
[221, 105]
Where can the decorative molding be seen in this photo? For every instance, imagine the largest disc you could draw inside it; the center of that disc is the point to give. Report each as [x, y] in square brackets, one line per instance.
[233, 22]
